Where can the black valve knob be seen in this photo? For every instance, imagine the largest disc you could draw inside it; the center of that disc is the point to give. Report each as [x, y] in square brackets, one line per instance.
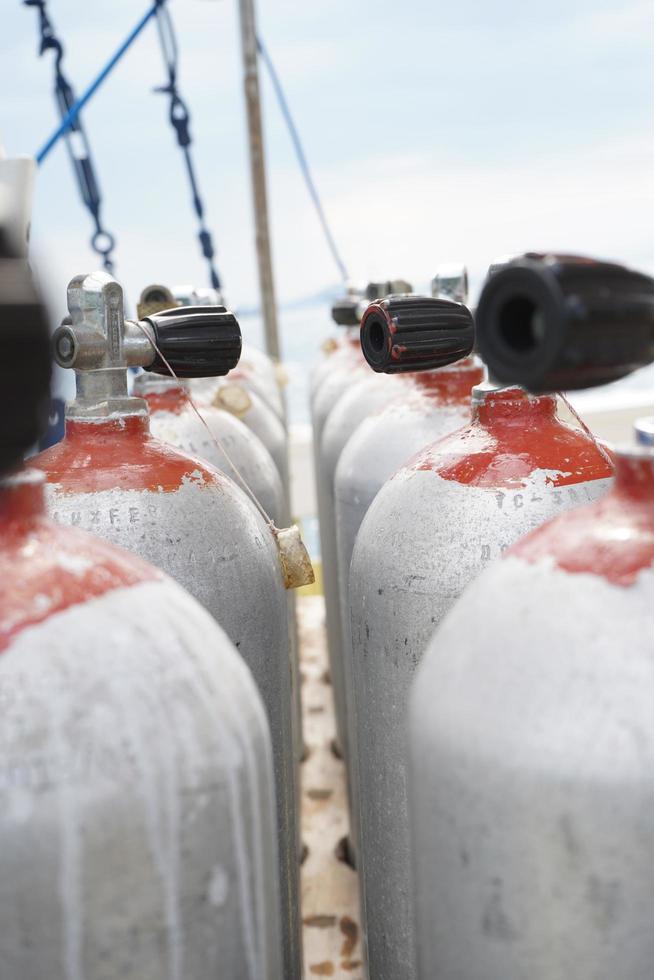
[415, 333]
[25, 361]
[557, 322]
[197, 341]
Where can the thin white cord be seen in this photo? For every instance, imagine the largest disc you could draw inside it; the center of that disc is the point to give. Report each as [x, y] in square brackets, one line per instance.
[214, 438]
[573, 411]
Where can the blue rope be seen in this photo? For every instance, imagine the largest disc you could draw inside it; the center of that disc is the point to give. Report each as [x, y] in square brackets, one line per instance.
[75, 109]
[302, 160]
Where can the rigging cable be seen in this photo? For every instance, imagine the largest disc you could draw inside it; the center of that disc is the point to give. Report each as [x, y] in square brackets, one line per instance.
[79, 151]
[180, 118]
[302, 160]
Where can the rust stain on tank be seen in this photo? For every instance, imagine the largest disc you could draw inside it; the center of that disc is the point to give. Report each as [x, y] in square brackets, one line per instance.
[324, 969]
[350, 931]
[320, 921]
[351, 964]
[319, 794]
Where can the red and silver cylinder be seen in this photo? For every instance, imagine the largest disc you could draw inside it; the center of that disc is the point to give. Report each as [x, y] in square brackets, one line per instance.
[531, 733]
[137, 828]
[111, 477]
[406, 321]
[173, 420]
[431, 529]
[137, 824]
[256, 371]
[532, 750]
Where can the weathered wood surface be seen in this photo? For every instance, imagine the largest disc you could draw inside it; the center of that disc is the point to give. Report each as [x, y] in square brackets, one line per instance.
[330, 903]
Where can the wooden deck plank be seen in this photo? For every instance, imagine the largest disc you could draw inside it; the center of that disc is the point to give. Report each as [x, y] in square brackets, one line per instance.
[330, 902]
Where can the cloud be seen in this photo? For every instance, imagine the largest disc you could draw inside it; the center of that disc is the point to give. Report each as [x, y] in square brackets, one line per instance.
[630, 24]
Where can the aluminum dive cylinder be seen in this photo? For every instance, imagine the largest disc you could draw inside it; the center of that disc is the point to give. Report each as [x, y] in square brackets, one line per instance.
[363, 397]
[173, 420]
[531, 733]
[137, 822]
[256, 370]
[430, 404]
[346, 351]
[111, 477]
[346, 313]
[137, 830]
[347, 367]
[424, 318]
[532, 748]
[253, 412]
[431, 529]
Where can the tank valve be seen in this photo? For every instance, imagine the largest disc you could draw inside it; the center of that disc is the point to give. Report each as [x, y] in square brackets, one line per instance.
[348, 310]
[415, 333]
[563, 322]
[197, 341]
[451, 282]
[154, 299]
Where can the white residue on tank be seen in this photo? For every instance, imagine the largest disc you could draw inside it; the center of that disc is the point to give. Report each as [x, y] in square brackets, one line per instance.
[75, 564]
[71, 842]
[206, 690]
[136, 710]
[218, 886]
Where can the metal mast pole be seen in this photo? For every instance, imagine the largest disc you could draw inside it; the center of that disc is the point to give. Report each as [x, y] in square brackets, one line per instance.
[258, 174]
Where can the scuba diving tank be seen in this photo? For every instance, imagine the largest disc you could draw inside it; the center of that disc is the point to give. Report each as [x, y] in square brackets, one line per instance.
[137, 830]
[250, 409]
[531, 726]
[328, 383]
[111, 477]
[431, 529]
[251, 404]
[361, 399]
[229, 446]
[173, 420]
[430, 404]
[345, 312]
[255, 370]
[345, 371]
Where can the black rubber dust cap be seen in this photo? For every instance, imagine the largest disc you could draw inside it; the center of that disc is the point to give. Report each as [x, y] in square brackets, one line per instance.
[25, 362]
[197, 341]
[415, 333]
[563, 322]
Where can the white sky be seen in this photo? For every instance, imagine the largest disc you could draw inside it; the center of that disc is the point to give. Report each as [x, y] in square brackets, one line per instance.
[436, 132]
